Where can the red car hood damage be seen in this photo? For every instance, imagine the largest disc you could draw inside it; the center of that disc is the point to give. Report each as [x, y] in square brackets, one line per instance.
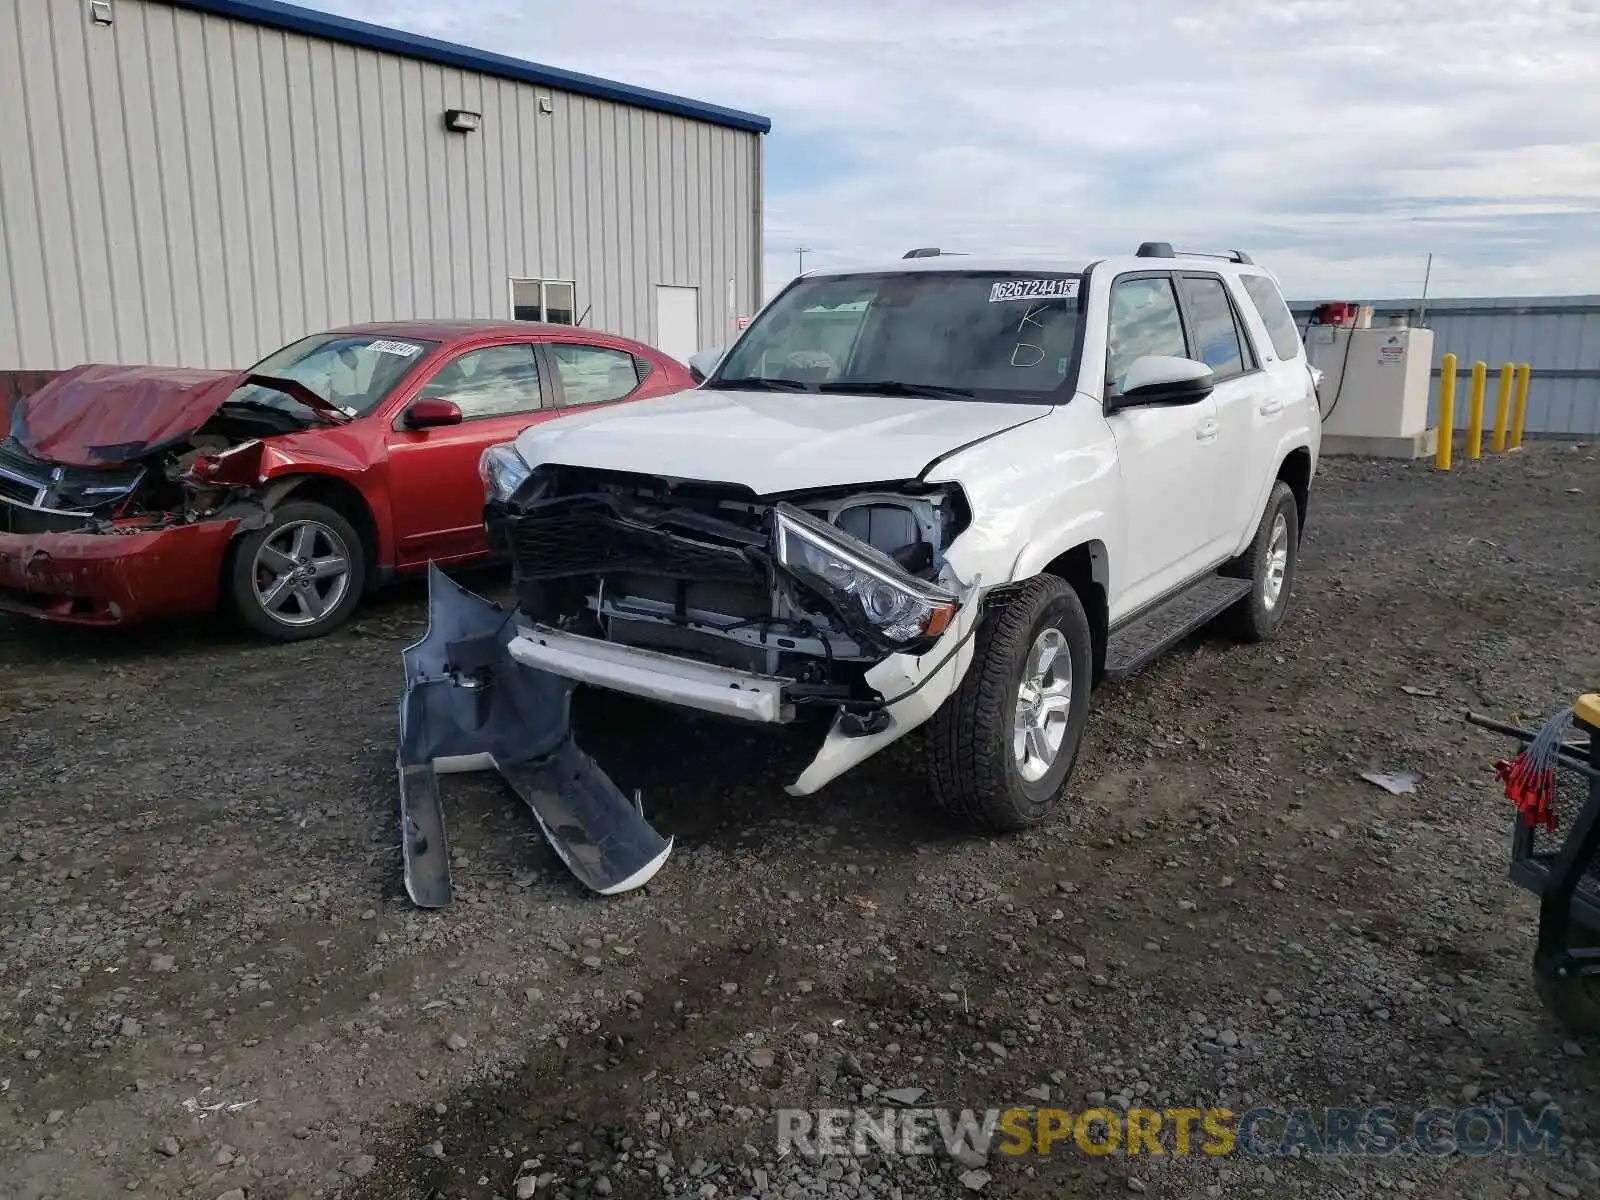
[99, 415]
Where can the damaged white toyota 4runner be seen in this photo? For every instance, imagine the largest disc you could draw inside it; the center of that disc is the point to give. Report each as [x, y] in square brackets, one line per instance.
[947, 493]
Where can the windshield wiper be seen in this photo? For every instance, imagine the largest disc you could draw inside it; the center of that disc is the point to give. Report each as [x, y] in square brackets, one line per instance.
[756, 384]
[893, 387]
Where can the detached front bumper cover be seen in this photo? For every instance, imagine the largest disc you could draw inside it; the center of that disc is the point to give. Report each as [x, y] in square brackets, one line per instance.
[469, 706]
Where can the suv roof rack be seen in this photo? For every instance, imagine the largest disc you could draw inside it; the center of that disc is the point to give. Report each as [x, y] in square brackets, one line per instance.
[1165, 250]
[922, 252]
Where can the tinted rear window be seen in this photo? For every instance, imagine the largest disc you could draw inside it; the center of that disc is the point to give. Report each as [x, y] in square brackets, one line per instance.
[1275, 314]
[1212, 317]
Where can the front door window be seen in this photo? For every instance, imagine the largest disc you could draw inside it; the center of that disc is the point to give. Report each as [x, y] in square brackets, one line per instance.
[491, 382]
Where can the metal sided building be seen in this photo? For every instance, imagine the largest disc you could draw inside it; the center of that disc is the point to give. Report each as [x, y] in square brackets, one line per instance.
[197, 182]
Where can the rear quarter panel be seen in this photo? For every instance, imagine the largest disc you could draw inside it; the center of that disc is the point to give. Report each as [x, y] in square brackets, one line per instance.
[1300, 425]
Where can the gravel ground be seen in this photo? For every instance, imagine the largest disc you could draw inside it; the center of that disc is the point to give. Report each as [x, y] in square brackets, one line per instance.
[211, 984]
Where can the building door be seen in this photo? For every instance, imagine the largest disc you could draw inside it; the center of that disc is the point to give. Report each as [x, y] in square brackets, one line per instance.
[677, 321]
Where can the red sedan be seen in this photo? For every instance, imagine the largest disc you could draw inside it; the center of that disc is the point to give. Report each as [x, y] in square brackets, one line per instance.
[289, 490]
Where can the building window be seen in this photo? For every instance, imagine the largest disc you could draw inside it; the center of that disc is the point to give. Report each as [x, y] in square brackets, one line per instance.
[549, 300]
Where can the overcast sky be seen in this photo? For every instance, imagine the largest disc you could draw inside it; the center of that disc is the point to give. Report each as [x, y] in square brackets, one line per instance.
[1340, 141]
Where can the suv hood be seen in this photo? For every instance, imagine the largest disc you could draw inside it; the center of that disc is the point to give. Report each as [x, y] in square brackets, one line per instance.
[771, 442]
[97, 415]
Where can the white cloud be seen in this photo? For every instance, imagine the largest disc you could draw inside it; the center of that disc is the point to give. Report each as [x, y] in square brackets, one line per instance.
[1341, 141]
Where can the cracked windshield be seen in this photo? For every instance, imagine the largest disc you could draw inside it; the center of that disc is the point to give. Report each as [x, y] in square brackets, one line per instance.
[353, 373]
[977, 335]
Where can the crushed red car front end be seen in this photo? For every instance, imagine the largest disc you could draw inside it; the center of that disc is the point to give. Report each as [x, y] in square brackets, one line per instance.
[97, 526]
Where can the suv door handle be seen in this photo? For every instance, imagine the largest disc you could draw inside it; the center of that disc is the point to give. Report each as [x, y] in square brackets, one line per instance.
[1271, 406]
[1206, 431]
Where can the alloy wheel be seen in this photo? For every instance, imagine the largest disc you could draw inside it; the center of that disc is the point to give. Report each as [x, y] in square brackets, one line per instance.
[301, 573]
[1044, 703]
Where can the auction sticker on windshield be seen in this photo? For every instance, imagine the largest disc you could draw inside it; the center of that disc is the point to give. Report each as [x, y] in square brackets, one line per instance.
[1034, 289]
[403, 349]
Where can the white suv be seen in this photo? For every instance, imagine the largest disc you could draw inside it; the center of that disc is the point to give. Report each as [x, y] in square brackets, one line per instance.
[945, 492]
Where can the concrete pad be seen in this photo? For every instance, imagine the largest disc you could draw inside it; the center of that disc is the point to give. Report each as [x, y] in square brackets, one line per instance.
[1421, 445]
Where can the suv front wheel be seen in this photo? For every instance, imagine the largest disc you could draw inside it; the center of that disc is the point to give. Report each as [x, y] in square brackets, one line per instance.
[1001, 749]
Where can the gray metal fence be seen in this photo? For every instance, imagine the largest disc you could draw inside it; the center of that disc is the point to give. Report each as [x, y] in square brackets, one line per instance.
[1558, 335]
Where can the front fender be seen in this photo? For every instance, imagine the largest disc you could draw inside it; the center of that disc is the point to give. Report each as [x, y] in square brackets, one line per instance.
[1035, 498]
[1083, 529]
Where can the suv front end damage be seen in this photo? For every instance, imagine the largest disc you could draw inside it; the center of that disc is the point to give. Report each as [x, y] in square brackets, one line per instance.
[766, 609]
[758, 608]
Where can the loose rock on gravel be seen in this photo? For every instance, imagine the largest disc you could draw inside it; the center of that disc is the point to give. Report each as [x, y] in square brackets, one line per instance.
[205, 945]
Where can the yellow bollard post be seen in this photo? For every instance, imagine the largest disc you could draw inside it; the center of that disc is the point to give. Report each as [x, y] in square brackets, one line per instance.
[1502, 409]
[1447, 412]
[1524, 373]
[1480, 376]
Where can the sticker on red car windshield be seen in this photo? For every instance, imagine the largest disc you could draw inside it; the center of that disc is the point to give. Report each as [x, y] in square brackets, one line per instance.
[1034, 289]
[403, 349]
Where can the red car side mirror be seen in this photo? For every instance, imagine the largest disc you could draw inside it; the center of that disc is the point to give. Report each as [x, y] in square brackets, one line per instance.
[431, 412]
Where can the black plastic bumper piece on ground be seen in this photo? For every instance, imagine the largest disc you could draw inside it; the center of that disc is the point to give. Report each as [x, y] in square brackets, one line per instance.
[595, 829]
[426, 849]
[1141, 640]
[470, 706]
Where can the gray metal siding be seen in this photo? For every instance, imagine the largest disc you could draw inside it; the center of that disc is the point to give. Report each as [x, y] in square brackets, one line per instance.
[189, 189]
[1558, 335]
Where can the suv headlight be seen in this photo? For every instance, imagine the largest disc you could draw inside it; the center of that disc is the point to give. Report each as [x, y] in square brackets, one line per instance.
[503, 471]
[868, 587]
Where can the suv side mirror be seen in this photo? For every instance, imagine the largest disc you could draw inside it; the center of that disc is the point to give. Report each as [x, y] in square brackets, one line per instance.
[703, 362]
[431, 412]
[1160, 379]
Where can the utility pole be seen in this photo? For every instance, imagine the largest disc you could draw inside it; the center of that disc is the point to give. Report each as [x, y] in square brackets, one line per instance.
[1427, 277]
[800, 254]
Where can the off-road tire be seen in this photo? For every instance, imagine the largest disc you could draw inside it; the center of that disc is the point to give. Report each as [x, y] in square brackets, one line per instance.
[238, 573]
[971, 767]
[1252, 619]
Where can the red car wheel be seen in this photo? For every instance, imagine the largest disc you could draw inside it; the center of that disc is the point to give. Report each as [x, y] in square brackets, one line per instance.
[301, 576]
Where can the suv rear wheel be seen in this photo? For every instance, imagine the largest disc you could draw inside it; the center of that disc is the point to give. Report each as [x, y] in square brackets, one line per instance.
[1000, 751]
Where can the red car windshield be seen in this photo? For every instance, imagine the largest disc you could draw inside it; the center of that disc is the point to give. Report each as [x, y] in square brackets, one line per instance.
[353, 372]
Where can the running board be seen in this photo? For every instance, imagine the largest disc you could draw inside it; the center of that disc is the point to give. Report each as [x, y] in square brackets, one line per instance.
[1136, 644]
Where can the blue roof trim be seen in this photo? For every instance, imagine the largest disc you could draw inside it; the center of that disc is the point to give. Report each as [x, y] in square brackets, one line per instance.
[294, 19]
